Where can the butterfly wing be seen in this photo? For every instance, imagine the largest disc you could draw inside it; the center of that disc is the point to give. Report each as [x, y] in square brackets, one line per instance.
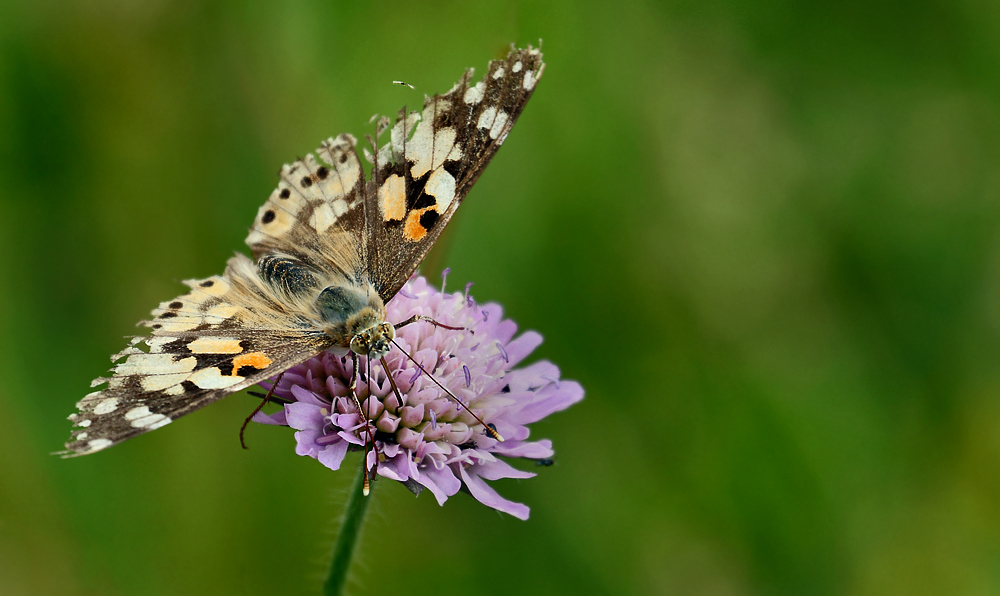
[228, 333]
[316, 214]
[433, 158]
[235, 330]
[383, 227]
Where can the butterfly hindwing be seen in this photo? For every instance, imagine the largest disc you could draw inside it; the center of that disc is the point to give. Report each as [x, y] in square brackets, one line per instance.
[228, 333]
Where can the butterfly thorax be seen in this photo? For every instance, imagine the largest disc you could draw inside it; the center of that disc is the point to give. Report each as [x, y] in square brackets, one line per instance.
[353, 316]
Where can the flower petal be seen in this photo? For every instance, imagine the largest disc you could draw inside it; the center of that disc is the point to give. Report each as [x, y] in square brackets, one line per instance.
[303, 395]
[305, 442]
[532, 450]
[548, 401]
[485, 494]
[497, 469]
[332, 456]
[441, 482]
[304, 416]
[518, 349]
[395, 468]
[278, 418]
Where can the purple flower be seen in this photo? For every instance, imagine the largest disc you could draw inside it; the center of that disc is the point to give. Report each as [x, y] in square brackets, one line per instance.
[429, 441]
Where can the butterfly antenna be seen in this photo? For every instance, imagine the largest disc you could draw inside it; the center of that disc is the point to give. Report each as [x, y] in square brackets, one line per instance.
[259, 408]
[366, 488]
[489, 428]
[392, 381]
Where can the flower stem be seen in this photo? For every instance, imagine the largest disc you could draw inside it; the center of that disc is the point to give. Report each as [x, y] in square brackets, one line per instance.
[350, 529]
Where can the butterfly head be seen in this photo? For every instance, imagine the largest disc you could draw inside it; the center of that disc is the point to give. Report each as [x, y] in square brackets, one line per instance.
[375, 341]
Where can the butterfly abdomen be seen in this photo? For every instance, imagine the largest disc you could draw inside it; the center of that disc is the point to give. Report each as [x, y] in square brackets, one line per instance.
[286, 273]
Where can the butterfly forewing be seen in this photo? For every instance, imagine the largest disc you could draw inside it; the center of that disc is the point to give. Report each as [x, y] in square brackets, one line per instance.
[314, 199]
[431, 160]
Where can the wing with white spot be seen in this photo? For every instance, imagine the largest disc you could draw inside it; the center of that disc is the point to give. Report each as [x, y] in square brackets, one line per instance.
[317, 201]
[228, 333]
[326, 214]
[433, 158]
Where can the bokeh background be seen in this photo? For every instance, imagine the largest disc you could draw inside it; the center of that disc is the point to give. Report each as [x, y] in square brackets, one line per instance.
[764, 236]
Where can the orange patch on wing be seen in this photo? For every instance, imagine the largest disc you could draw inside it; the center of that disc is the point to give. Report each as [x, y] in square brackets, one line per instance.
[392, 197]
[413, 230]
[257, 360]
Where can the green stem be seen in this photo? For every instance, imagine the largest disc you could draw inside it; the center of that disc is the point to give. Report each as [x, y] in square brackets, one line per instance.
[350, 530]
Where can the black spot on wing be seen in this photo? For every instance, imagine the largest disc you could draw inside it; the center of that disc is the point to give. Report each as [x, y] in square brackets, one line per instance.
[454, 167]
[268, 217]
[246, 370]
[178, 346]
[429, 218]
[416, 198]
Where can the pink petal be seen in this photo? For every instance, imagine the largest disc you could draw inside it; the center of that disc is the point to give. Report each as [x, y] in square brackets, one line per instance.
[497, 469]
[278, 418]
[303, 395]
[485, 494]
[532, 450]
[332, 456]
[303, 416]
[441, 482]
[518, 349]
[548, 401]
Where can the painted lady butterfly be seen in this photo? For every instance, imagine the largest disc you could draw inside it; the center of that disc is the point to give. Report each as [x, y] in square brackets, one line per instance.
[330, 247]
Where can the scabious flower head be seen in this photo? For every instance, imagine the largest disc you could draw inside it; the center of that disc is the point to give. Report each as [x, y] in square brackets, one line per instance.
[429, 441]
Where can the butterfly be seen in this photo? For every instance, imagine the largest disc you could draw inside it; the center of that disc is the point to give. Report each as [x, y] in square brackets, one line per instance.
[329, 248]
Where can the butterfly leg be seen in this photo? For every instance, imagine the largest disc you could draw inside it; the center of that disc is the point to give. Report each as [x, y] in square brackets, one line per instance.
[371, 439]
[416, 318]
[258, 408]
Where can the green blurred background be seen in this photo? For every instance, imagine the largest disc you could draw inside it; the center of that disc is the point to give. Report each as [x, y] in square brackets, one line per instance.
[764, 236]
